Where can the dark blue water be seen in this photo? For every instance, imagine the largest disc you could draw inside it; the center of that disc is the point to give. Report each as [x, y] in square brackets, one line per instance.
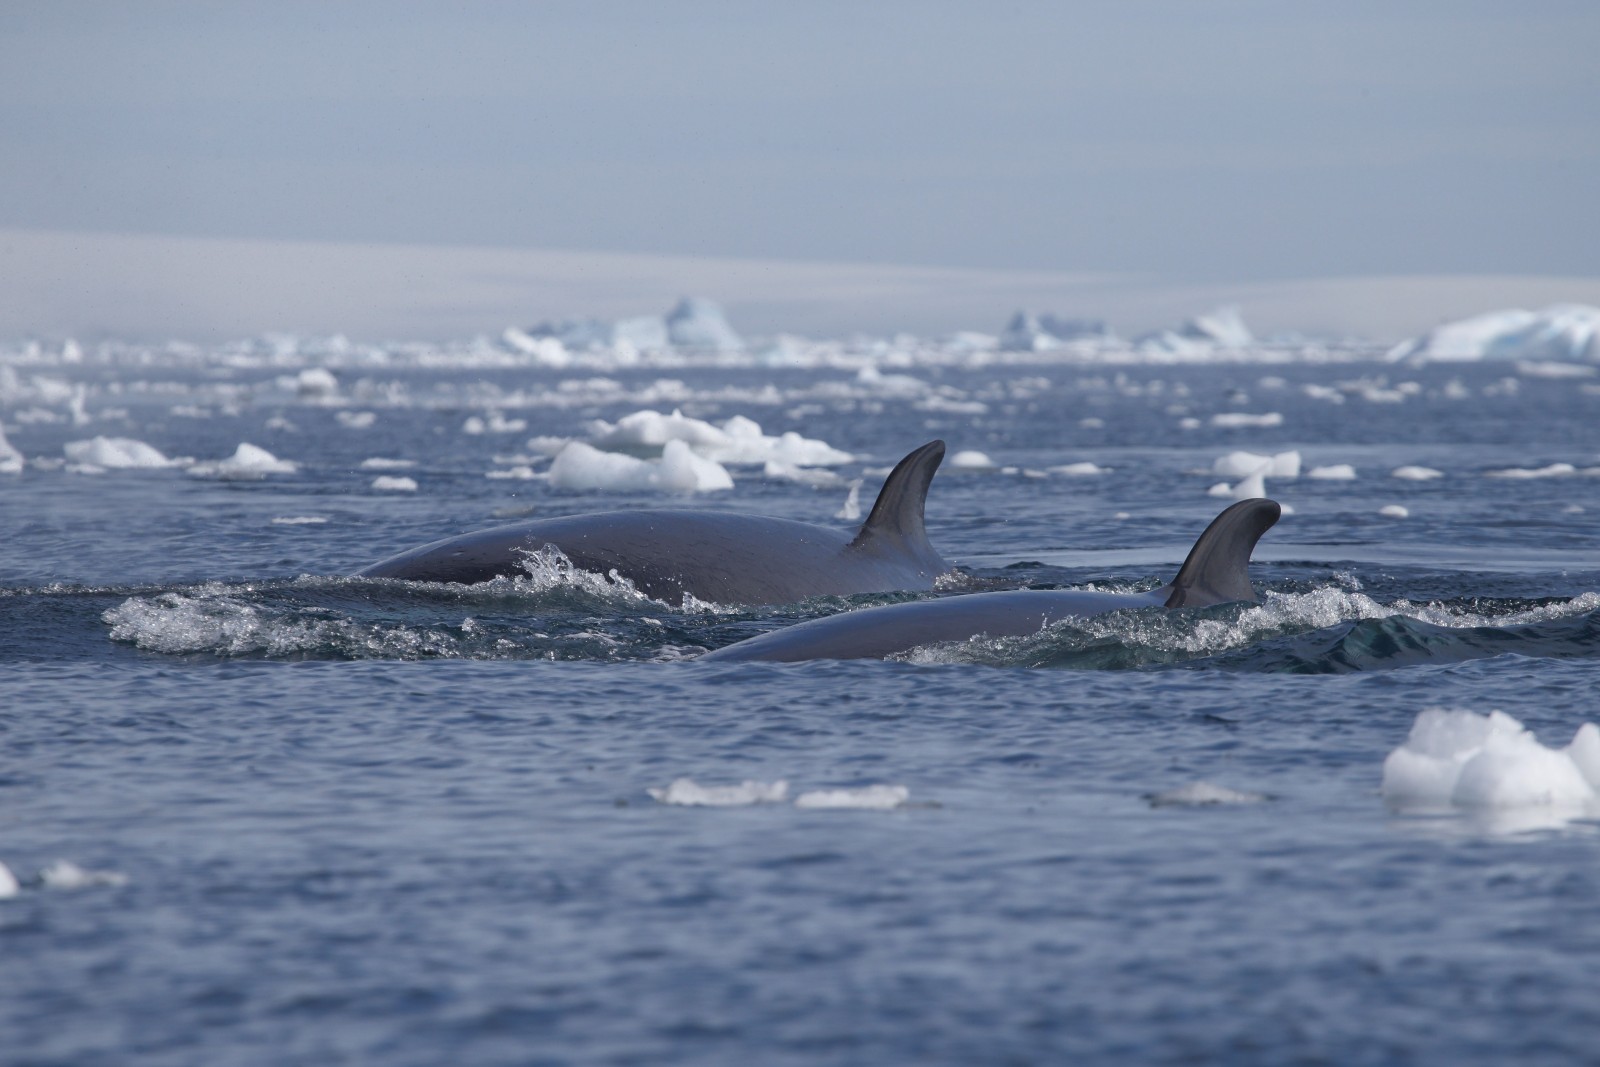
[354, 821]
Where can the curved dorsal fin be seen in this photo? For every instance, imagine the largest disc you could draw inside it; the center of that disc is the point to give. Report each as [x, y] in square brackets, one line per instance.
[897, 514]
[1218, 568]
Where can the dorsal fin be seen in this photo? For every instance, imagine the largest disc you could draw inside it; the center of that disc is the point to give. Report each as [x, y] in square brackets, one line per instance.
[1218, 568]
[897, 514]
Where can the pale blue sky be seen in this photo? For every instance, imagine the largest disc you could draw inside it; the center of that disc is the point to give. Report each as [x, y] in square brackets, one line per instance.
[1225, 140]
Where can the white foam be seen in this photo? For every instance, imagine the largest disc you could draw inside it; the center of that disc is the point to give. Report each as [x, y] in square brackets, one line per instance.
[581, 466]
[1337, 472]
[247, 461]
[115, 453]
[1459, 759]
[390, 483]
[865, 798]
[1554, 470]
[64, 874]
[1237, 420]
[689, 793]
[1395, 511]
[1203, 794]
[1413, 473]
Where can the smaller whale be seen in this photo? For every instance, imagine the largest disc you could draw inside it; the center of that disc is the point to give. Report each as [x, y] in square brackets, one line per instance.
[1217, 571]
[714, 556]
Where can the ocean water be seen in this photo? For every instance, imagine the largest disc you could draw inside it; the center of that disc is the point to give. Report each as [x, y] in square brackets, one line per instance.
[318, 819]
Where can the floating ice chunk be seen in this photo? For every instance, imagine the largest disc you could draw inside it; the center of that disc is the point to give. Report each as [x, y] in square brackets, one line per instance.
[356, 420]
[1395, 511]
[64, 874]
[11, 461]
[390, 483]
[546, 351]
[865, 798]
[1464, 760]
[9, 886]
[971, 460]
[688, 793]
[299, 520]
[520, 472]
[1252, 487]
[494, 423]
[1203, 794]
[115, 453]
[581, 466]
[1220, 489]
[850, 510]
[378, 463]
[1337, 472]
[1224, 327]
[1554, 470]
[1323, 392]
[316, 384]
[247, 461]
[1415, 474]
[1240, 464]
[651, 429]
[700, 324]
[1235, 420]
[1079, 470]
[1561, 333]
[817, 479]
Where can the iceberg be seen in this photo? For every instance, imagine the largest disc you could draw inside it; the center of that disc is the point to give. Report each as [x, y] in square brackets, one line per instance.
[1027, 333]
[1563, 333]
[1222, 327]
[699, 323]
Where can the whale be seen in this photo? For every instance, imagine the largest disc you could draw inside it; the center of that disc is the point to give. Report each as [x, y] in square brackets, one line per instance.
[1217, 571]
[718, 557]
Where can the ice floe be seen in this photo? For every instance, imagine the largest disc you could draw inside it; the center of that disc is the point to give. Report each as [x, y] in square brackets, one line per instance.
[1461, 760]
[1413, 473]
[1395, 511]
[1335, 472]
[392, 483]
[1241, 420]
[1553, 470]
[1242, 464]
[11, 461]
[582, 466]
[115, 453]
[971, 459]
[248, 461]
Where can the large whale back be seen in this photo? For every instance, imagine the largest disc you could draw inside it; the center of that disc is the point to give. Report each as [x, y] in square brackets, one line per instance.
[1215, 572]
[720, 557]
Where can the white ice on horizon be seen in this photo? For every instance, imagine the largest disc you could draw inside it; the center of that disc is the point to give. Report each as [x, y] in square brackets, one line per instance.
[247, 461]
[1241, 420]
[1563, 333]
[863, 798]
[1463, 760]
[686, 792]
[582, 466]
[698, 323]
[115, 453]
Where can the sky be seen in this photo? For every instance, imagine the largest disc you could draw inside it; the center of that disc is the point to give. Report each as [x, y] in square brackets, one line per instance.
[1230, 141]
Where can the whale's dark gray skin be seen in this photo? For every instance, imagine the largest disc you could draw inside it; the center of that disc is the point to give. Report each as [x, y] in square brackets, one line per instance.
[714, 556]
[1216, 572]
